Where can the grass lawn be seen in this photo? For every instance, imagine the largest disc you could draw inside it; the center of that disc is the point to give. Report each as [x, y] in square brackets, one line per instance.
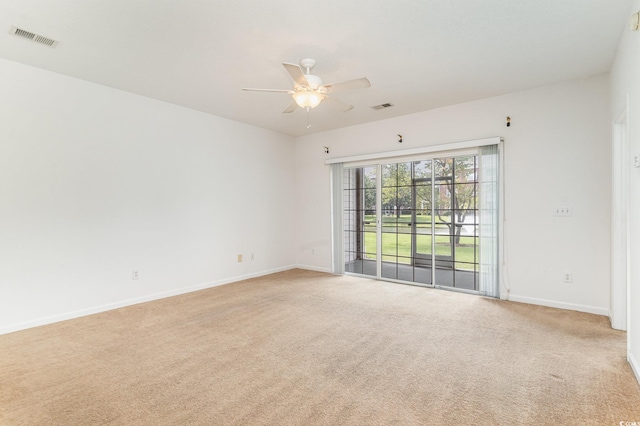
[396, 247]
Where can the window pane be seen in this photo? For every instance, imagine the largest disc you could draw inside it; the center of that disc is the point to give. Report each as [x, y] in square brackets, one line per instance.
[403, 199]
[349, 199]
[353, 267]
[422, 169]
[461, 266]
[466, 280]
[405, 224]
[389, 200]
[369, 268]
[444, 277]
[470, 218]
[423, 216]
[350, 241]
[389, 223]
[422, 275]
[466, 250]
[424, 228]
[370, 200]
[423, 244]
[466, 169]
[443, 167]
[404, 174]
[369, 177]
[389, 175]
[465, 196]
[443, 221]
[423, 197]
[389, 244]
[443, 245]
[404, 245]
[405, 273]
[370, 222]
[390, 269]
[370, 244]
[442, 196]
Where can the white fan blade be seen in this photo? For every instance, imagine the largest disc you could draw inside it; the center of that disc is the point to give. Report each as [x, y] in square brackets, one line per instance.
[290, 108]
[337, 103]
[296, 73]
[267, 90]
[358, 83]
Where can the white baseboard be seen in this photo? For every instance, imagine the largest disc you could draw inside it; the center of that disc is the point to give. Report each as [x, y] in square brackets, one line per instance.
[148, 298]
[635, 366]
[314, 268]
[561, 305]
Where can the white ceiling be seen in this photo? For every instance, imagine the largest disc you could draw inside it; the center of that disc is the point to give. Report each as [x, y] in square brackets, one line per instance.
[418, 54]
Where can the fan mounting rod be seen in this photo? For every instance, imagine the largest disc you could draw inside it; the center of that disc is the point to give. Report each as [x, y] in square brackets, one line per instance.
[308, 64]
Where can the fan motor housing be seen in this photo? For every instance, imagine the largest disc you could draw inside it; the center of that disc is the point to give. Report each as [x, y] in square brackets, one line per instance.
[313, 80]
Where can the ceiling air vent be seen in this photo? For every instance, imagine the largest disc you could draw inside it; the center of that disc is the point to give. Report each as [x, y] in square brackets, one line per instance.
[19, 32]
[382, 106]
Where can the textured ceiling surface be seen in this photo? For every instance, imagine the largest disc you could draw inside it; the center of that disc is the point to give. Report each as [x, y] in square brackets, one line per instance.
[418, 54]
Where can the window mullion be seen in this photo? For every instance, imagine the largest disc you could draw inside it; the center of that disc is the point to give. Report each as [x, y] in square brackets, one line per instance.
[378, 221]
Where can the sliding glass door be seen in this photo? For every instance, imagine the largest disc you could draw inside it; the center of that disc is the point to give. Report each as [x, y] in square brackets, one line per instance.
[413, 221]
[360, 220]
[406, 221]
[455, 209]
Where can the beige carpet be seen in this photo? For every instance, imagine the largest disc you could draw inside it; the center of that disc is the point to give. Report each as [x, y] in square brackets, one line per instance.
[307, 348]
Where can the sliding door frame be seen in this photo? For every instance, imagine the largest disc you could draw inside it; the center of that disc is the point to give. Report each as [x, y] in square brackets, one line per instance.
[432, 179]
[425, 153]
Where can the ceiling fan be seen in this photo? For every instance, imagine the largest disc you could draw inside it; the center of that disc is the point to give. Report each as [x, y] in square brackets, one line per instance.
[308, 90]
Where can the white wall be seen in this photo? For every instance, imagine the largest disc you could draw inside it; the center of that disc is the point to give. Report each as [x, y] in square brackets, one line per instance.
[96, 182]
[557, 152]
[625, 81]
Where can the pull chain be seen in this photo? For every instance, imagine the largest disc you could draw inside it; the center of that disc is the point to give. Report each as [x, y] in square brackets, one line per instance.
[308, 124]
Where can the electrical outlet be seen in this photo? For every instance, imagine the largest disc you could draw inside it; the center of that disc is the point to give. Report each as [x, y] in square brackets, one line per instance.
[562, 211]
[313, 251]
[135, 275]
[567, 277]
[239, 258]
[636, 161]
[252, 256]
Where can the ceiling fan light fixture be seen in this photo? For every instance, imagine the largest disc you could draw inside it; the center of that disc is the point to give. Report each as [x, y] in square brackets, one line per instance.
[308, 98]
[308, 91]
